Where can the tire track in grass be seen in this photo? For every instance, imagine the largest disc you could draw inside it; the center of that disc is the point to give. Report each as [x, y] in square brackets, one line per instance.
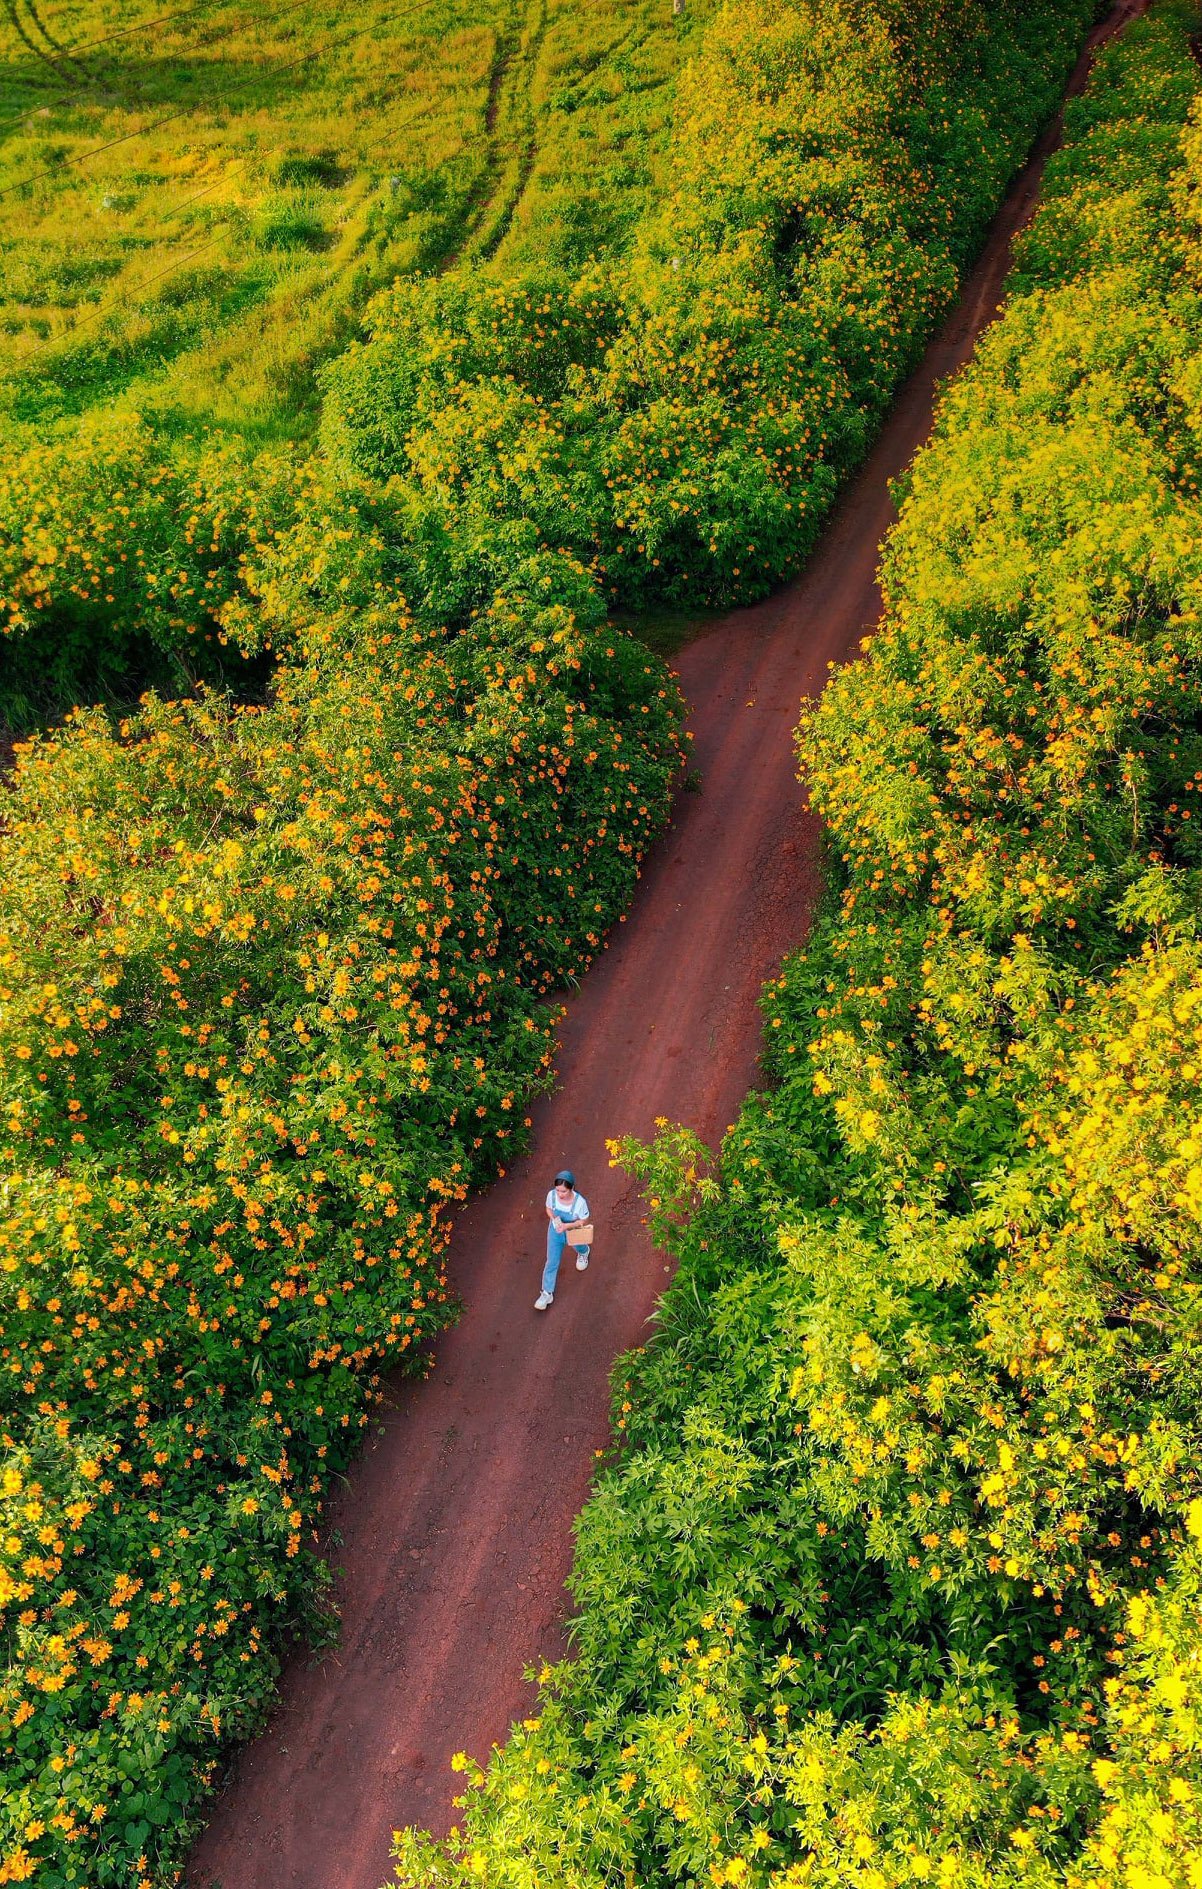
[510, 122]
[521, 89]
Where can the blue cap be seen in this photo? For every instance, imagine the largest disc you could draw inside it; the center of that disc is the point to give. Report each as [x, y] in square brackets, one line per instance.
[566, 1176]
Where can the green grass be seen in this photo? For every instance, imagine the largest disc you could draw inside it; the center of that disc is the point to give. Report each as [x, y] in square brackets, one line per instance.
[194, 212]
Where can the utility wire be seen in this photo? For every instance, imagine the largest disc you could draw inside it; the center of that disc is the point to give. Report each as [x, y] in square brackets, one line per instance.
[140, 26]
[45, 53]
[54, 170]
[144, 26]
[185, 111]
[240, 163]
[70, 53]
[72, 98]
[191, 106]
[181, 262]
[211, 242]
[377, 142]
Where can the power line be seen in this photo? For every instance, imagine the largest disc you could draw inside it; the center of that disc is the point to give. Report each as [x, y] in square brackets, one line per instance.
[54, 169]
[211, 242]
[144, 26]
[52, 46]
[240, 163]
[377, 142]
[74, 98]
[68, 52]
[185, 111]
[45, 53]
[175, 209]
[140, 26]
[181, 262]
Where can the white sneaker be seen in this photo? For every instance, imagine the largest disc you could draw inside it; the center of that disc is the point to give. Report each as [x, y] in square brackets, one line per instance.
[582, 1262]
[543, 1300]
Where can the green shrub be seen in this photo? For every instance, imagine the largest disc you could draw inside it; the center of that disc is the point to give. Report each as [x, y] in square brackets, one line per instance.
[116, 564]
[190, 287]
[275, 994]
[681, 416]
[893, 1578]
[276, 976]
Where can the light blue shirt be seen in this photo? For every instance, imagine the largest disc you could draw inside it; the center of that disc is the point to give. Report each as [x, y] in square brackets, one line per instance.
[577, 1211]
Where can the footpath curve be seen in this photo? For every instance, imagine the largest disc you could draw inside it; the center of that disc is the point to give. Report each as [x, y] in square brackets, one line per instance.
[457, 1525]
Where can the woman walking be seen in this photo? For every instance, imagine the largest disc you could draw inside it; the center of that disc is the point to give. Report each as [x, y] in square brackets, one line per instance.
[565, 1208]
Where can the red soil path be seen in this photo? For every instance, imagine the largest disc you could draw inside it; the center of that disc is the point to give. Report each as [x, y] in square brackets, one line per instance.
[457, 1525]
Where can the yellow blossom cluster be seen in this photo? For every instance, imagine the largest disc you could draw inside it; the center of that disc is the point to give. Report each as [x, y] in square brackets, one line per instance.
[274, 990]
[894, 1576]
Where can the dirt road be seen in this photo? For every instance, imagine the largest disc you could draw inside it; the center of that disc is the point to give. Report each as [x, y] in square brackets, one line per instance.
[457, 1526]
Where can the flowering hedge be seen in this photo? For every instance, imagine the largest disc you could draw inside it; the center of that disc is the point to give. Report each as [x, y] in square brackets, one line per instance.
[274, 989]
[681, 414]
[275, 977]
[116, 560]
[896, 1577]
[164, 305]
[672, 414]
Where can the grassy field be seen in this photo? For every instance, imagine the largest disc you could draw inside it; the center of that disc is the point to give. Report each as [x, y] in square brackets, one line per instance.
[195, 206]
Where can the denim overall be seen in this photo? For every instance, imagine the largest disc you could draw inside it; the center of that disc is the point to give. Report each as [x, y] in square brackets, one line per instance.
[556, 1242]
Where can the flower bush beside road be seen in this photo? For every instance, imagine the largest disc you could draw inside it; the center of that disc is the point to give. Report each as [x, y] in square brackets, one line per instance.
[680, 414]
[276, 977]
[894, 1578]
[275, 994]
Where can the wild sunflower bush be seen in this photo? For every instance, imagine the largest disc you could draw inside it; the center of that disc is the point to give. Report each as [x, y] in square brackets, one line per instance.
[275, 993]
[117, 560]
[680, 414]
[894, 1578]
[667, 394]
[275, 977]
[188, 237]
